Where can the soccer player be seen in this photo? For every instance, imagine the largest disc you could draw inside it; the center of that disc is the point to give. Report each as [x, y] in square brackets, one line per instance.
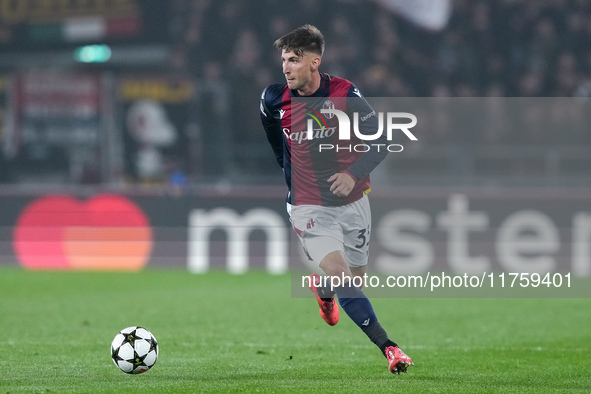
[327, 198]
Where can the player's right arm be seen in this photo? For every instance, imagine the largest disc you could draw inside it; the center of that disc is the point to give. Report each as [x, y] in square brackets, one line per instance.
[272, 125]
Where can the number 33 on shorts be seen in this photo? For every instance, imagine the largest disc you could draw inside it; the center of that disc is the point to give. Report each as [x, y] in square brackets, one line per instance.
[363, 236]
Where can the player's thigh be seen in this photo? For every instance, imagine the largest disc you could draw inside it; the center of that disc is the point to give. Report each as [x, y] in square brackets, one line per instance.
[318, 231]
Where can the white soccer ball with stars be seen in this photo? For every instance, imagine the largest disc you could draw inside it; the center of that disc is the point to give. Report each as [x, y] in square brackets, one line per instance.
[134, 350]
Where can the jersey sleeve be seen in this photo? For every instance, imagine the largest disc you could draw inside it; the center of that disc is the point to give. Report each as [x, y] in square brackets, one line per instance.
[368, 125]
[271, 125]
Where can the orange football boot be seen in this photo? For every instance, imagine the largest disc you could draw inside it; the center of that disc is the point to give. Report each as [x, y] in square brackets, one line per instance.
[398, 361]
[329, 310]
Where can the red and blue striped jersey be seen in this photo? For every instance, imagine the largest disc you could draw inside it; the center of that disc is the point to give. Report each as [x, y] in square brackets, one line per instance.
[306, 165]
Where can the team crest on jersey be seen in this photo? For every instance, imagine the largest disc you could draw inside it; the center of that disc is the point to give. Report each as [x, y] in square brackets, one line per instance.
[328, 105]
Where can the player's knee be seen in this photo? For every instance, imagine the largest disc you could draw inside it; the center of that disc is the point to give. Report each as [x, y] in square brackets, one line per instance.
[334, 264]
[359, 273]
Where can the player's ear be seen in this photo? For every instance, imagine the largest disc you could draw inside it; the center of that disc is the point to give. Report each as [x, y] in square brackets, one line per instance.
[316, 60]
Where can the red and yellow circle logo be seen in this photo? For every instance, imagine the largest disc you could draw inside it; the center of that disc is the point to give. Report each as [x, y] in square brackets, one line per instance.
[107, 232]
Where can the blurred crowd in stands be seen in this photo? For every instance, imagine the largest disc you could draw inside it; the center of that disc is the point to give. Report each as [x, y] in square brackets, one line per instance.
[489, 48]
[499, 48]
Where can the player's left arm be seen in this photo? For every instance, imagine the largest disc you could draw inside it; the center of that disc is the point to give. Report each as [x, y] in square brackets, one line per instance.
[343, 182]
[368, 125]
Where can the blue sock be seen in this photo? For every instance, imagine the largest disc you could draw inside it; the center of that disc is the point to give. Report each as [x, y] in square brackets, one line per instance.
[358, 307]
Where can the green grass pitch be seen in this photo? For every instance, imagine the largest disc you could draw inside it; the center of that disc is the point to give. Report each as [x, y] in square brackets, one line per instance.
[224, 333]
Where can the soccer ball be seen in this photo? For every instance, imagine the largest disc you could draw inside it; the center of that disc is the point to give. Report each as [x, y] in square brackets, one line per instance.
[134, 350]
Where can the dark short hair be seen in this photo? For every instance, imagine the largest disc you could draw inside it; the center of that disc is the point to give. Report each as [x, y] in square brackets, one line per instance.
[305, 38]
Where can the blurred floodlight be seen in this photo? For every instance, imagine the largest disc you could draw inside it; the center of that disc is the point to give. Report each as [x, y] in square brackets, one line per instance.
[93, 54]
[428, 14]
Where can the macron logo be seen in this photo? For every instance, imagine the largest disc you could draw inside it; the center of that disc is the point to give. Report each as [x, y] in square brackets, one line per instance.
[365, 322]
[281, 113]
[357, 92]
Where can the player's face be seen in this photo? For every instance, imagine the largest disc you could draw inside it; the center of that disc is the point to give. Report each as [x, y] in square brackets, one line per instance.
[299, 70]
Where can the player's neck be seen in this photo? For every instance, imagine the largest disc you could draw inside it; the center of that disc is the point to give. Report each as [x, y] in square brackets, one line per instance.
[312, 86]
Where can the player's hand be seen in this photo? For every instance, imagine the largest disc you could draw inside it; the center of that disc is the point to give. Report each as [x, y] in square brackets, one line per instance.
[342, 184]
